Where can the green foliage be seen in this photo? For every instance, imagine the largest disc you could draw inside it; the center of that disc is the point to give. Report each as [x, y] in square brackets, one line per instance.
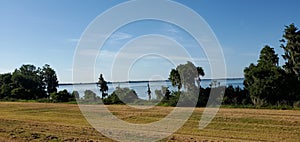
[6, 85]
[189, 74]
[76, 95]
[61, 96]
[236, 96]
[172, 100]
[269, 84]
[164, 92]
[268, 57]
[126, 95]
[121, 96]
[49, 78]
[28, 83]
[230, 97]
[112, 99]
[186, 75]
[187, 99]
[90, 96]
[264, 80]
[174, 77]
[103, 86]
[203, 97]
[20, 93]
[291, 46]
[28, 80]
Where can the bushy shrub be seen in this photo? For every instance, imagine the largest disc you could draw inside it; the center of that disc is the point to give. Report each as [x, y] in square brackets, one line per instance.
[90, 96]
[61, 96]
[121, 96]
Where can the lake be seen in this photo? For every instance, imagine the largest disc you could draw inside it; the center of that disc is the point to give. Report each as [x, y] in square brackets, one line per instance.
[141, 87]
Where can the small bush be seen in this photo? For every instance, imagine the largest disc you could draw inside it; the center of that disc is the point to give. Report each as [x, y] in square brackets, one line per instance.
[61, 96]
[121, 96]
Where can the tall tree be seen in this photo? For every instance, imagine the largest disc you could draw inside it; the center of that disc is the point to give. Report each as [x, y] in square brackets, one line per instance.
[103, 86]
[174, 77]
[268, 56]
[186, 74]
[264, 80]
[27, 83]
[291, 47]
[200, 73]
[149, 91]
[49, 78]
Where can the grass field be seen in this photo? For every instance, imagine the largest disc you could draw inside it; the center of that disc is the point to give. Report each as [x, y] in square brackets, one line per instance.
[64, 122]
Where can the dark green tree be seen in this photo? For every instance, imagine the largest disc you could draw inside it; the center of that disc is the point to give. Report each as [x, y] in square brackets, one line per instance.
[291, 46]
[230, 96]
[268, 56]
[112, 99]
[121, 96]
[200, 73]
[75, 94]
[167, 93]
[49, 78]
[27, 83]
[61, 96]
[264, 80]
[174, 77]
[126, 95]
[5, 85]
[103, 86]
[186, 75]
[149, 92]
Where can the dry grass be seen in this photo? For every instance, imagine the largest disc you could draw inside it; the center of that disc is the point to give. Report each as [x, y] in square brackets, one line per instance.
[64, 122]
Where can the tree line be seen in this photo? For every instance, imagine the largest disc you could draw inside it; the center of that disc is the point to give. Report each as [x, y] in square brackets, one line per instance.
[33, 83]
[29, 83]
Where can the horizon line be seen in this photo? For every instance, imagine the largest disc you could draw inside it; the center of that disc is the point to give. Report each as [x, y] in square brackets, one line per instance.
[141, 81]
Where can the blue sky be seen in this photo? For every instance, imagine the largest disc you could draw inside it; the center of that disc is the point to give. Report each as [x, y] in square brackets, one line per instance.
[40, 32]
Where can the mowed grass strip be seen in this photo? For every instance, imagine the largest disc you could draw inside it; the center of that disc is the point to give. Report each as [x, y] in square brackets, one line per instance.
[64, 122]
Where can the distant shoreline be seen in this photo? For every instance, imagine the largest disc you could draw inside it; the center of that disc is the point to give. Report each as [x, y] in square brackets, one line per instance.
[142, 81]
